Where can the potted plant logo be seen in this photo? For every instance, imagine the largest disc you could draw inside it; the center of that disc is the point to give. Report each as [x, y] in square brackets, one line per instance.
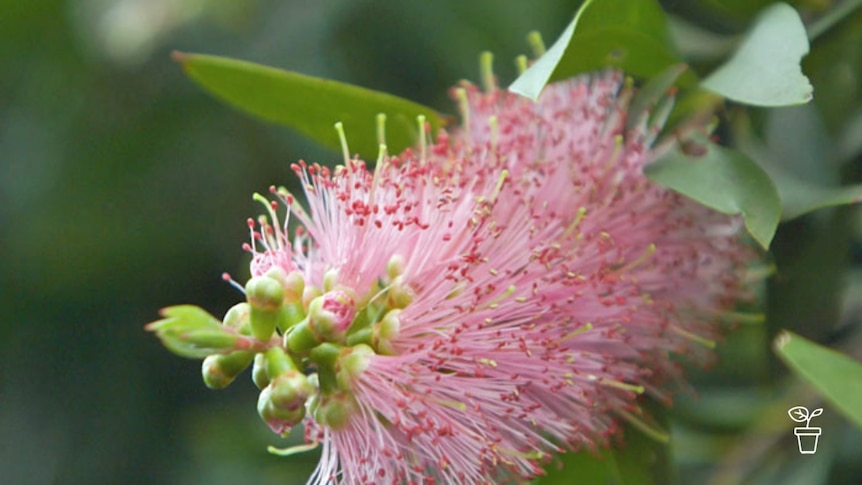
[806, 436]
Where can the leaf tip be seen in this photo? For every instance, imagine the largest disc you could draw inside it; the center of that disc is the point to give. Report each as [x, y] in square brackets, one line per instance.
[179, 57]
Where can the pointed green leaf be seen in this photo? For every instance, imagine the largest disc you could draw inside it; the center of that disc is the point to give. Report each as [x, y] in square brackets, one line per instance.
[765, 70]
[631, 36]
[191, 332]
[834, 375]
[311, 105]
[724, 180]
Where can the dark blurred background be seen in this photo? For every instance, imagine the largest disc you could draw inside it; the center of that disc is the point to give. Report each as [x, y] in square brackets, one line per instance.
[124, 188]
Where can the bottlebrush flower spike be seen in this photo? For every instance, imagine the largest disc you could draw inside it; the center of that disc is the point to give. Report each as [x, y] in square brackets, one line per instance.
[468, 309]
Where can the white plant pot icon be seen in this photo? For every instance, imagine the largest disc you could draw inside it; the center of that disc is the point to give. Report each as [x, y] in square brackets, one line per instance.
[806, 436]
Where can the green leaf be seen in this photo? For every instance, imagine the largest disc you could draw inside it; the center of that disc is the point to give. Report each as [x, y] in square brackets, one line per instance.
[799, 156]
[725, 180]
[834, 375]
[631, 36]
[311, 105]
[765, 70]
[191, 332]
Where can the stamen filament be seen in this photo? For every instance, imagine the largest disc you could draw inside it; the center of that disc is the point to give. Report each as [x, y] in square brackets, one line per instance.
[293, 450]
[657, 434]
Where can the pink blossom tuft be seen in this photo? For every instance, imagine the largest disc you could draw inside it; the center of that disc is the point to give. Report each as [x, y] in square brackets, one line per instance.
[515, 287]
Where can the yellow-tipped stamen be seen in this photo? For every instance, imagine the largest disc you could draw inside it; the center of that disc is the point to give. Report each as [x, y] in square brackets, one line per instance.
[585, 328]
[623, 385]
[423, 140]
[618, 150]
[521, 64]
[650, 250]
[464, 108]
[452, 404]
[657, 434]
[500, 181]
[293, 450]
[378, 167]
[710, 344]
[534, 38]
[492, 363]
[381, 128]
[496, 301]
[486, 71]
[575, 223]
[345, 151]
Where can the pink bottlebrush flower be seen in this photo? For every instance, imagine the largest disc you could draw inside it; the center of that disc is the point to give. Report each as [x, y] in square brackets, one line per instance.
[514, 288]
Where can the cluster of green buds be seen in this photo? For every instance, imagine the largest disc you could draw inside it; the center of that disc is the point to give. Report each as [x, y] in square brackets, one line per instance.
[306, 345]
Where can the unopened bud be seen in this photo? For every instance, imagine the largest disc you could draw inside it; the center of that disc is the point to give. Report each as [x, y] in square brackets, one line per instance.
[309, 293]
[334, 410]
[351, 364]
[294, 285]
[400, 294]
[395, 267]
[290, 390]
[258, 372]
[277, 362]
[237, 318]
[330, 315]
[385, 331]
[279, 420]
[219, 371]
[266, 296]
[330, 279]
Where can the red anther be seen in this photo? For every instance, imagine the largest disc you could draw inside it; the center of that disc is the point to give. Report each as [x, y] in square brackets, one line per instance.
[246, 247]
[272, 189]
[250, 223]
[226, 276]
[274, 205]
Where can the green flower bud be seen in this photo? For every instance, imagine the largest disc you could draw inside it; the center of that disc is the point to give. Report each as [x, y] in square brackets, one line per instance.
[294, 309]
[258, 372]
[237, 318]
[266, 296]
[294, 285]
[279, 420]
[301, 339]
[395, 267]
[330, 279]
[351, 364]
[219, 371]
[330, 315]
[309, 293]
[400, 294]
[334, 410]
[385, 331]
[277, 362]
[290, 390]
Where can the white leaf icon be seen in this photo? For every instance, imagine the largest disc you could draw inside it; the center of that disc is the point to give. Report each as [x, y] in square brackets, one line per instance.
[799, 413]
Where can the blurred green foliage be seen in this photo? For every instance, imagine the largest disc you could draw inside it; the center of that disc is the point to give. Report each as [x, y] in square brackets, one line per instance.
[123, 189]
